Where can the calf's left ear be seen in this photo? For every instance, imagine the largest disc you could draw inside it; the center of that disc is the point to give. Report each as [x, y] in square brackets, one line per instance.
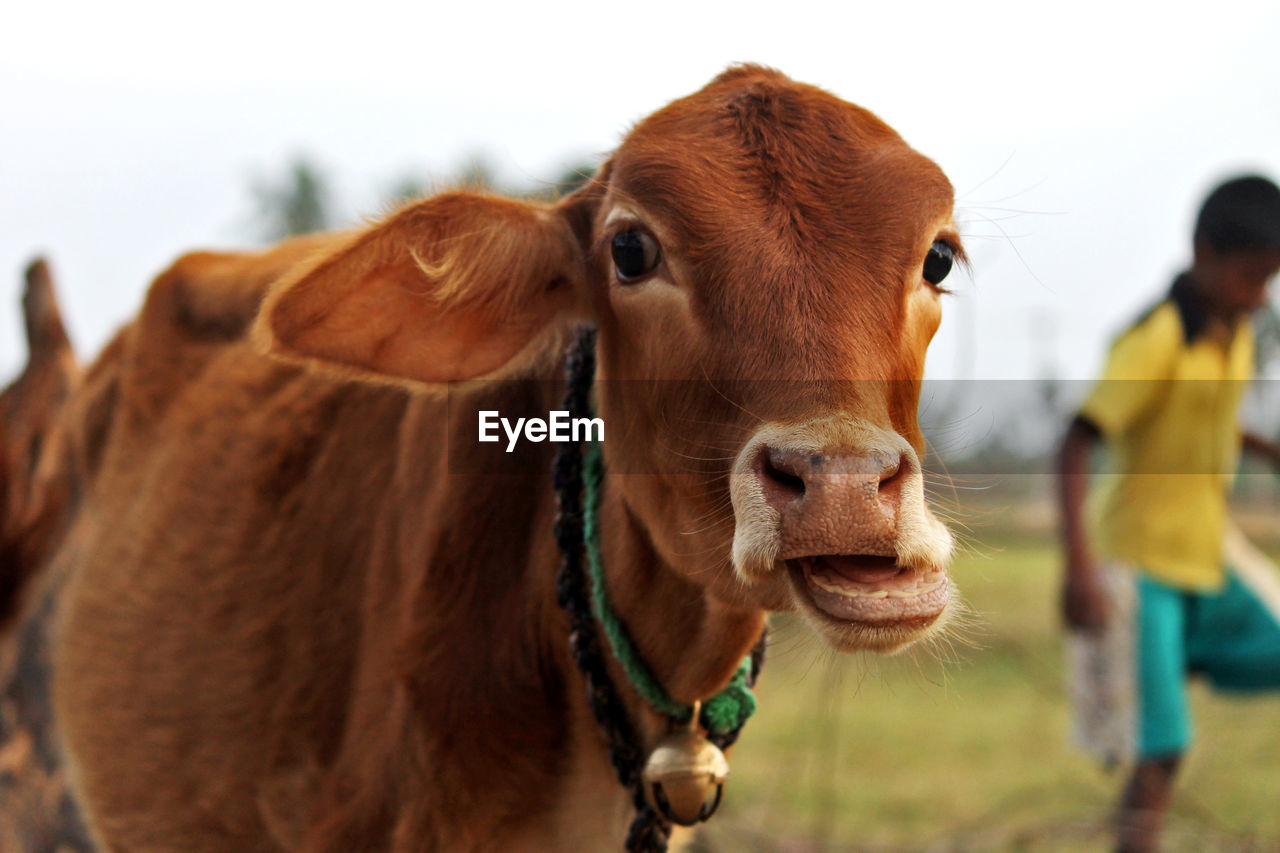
[460, 286]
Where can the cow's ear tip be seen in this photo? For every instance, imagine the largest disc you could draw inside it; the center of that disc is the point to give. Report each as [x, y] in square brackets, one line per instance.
[453, 288]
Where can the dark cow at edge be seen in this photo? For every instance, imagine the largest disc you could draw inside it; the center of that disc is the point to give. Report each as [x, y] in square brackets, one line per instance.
[281, 614]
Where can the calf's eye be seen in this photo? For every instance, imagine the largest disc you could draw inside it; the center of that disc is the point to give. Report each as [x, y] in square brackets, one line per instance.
[635, 254]
[938, 262]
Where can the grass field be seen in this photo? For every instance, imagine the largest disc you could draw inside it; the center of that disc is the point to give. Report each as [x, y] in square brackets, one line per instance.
[965, 747]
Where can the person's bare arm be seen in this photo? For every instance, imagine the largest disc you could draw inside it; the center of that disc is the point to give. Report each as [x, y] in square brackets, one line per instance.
[1083, 604]
[1256, 445]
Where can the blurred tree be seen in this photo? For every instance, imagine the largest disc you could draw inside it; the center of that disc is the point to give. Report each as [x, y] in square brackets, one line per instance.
[574, 179]
[479, 174]
[300, 200]
[297, 204]
[408, 188]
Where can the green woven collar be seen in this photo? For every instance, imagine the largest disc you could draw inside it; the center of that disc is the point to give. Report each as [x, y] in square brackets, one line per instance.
[724, 712]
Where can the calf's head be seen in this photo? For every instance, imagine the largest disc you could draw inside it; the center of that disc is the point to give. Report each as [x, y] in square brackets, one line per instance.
[763, 262]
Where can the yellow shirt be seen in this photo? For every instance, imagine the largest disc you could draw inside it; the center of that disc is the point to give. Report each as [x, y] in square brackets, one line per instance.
[1167, 407]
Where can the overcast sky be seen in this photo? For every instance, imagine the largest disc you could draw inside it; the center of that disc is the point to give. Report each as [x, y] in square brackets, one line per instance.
[1080, 137]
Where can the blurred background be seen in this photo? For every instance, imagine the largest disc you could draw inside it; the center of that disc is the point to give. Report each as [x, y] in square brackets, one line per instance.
[1080, 139]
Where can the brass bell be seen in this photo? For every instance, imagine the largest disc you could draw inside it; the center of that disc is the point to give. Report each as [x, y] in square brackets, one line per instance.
[684, 776]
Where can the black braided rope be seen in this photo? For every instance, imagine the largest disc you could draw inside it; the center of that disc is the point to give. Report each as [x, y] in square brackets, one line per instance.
[649, 832]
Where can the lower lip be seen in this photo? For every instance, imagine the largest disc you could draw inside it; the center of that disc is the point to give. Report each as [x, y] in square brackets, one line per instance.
[886, 606]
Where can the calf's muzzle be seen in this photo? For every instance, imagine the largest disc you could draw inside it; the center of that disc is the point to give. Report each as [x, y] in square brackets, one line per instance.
[837, 506]
[833, 502]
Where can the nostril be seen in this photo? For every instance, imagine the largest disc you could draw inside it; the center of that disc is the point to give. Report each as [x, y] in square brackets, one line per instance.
[783, 478]
[891, 477]
[891, 470]
[780, 476]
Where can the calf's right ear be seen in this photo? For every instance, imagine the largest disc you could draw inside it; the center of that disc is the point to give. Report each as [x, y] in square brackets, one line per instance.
[460, 286]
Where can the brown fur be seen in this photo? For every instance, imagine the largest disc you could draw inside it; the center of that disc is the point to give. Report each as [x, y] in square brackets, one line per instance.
[31, 495]
[303, 613]
[36, 497]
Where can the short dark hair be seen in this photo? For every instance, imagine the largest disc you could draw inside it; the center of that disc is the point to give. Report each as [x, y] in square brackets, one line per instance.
[1241, 215]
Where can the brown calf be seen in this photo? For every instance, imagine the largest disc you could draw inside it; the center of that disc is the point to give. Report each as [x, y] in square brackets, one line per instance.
[31, 498]
[36, 811]
[301, 615]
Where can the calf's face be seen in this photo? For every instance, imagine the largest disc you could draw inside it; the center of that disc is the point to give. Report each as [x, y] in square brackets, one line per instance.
[763, 262]
[766, 262]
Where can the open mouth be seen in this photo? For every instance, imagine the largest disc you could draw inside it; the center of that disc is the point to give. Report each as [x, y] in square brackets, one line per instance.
[869, 588]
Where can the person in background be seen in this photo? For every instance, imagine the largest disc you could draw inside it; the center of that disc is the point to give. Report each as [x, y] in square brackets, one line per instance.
[1148, 595]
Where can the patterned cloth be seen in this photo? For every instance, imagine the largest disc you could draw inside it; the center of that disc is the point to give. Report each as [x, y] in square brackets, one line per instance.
[1127, 683]
[1100, 674]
